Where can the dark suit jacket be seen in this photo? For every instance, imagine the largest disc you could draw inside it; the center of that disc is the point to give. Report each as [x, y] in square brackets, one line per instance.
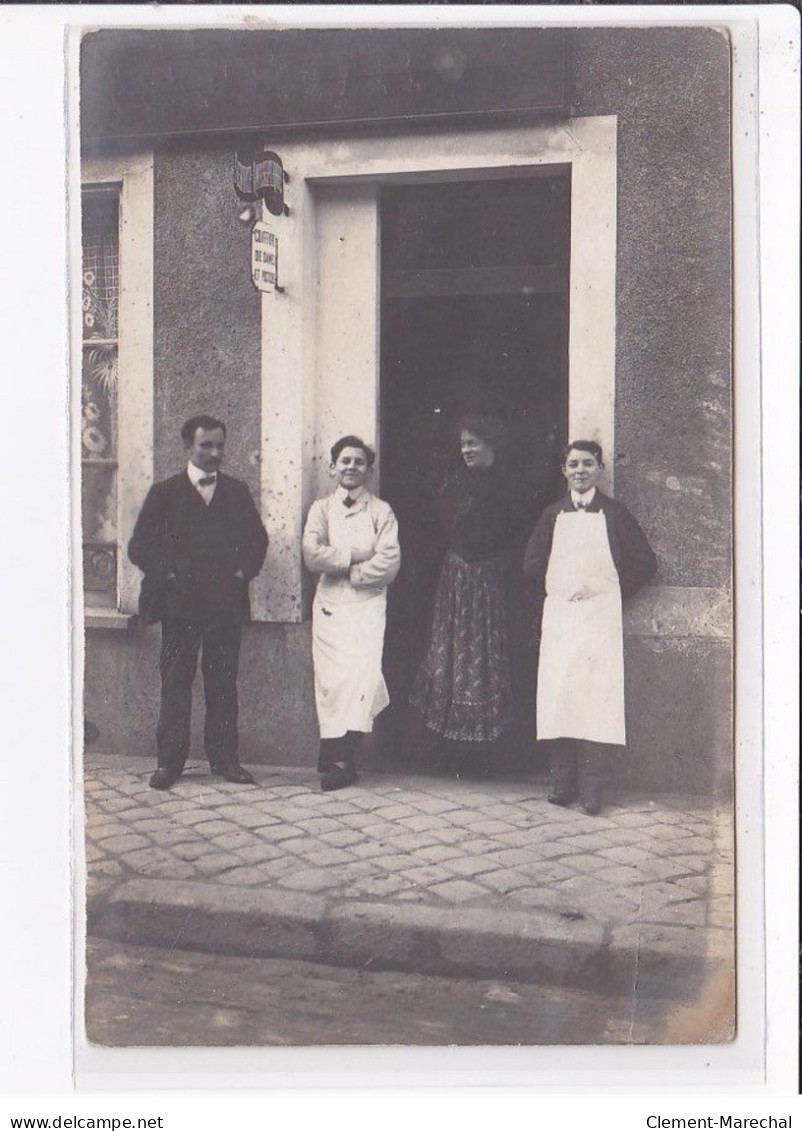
[189, 553]
[632, 555]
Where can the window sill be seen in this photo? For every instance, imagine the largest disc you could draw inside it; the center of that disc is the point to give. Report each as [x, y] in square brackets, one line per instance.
[108, 618]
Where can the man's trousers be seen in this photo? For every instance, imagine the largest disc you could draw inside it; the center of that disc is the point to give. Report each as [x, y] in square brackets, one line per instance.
[578, 767]
[181, 642]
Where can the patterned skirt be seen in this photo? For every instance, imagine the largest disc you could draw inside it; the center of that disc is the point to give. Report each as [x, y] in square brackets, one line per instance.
[463, 689]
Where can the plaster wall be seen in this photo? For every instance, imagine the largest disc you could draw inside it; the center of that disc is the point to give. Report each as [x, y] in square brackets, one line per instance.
[673, 406]
[673, 353]
[207, 320]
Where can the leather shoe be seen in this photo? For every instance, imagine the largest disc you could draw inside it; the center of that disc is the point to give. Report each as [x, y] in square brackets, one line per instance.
[591, 808]
[337, 779]
[559, 799]
[162, 779]
[236, 774]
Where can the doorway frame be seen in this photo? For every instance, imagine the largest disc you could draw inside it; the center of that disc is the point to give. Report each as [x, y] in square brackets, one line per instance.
[320, 335]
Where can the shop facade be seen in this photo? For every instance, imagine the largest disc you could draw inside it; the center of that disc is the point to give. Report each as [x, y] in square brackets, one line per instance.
[533, 223]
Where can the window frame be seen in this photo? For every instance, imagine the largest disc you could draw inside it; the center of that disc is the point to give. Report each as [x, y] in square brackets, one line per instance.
[132, 175]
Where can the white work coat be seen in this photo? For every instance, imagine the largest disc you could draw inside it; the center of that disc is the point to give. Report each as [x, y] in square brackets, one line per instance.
[349, 609]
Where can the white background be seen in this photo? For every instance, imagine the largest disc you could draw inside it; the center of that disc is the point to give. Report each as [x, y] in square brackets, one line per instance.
[618, 1088]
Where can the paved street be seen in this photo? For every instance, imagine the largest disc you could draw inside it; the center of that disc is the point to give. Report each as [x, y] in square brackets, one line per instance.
[434, 875]
[140, 995]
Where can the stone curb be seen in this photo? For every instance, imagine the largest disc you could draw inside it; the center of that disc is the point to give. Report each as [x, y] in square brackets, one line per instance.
[536, 946]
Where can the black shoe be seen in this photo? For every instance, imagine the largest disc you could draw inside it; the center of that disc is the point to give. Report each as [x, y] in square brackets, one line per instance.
[236, 774]
[562, 799]
[591, 807]
[337, 779]
[162, 779]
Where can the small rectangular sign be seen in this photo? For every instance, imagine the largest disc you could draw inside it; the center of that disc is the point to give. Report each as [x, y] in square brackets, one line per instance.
[264, 257]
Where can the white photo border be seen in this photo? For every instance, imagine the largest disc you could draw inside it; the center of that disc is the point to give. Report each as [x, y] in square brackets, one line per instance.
[763, 1057]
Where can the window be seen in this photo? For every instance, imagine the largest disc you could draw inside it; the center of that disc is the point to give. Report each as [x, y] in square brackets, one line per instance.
[100, 294]
[116, 359]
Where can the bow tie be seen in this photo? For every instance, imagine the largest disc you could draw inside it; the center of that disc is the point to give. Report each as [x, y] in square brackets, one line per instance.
[349, 502]
[207, 481]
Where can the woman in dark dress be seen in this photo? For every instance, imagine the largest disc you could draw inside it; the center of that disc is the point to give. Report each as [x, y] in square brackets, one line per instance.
[463, 691]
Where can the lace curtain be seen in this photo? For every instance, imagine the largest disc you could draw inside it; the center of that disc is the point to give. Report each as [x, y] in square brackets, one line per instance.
[100, 306]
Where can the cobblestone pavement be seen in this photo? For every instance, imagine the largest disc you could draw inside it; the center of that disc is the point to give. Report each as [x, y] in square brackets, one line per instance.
[412, 839]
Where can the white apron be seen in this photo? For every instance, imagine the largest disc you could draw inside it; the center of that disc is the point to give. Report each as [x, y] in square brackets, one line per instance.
[347, 645]
[580, 685]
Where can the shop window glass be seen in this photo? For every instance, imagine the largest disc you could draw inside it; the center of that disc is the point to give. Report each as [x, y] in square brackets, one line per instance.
[99, 394]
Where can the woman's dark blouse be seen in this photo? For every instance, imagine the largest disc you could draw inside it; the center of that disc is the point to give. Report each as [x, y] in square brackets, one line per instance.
[479, 512]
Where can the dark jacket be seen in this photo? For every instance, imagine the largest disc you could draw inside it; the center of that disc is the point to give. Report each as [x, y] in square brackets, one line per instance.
[189, 552]
[632, 555]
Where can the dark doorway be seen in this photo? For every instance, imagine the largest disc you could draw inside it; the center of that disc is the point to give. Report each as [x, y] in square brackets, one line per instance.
[474, 319]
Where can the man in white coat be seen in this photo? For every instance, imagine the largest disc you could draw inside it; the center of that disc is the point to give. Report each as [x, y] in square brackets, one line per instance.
[351, 540]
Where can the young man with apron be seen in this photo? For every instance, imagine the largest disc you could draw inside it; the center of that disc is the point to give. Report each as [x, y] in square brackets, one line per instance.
[351, 540]
[587, 553]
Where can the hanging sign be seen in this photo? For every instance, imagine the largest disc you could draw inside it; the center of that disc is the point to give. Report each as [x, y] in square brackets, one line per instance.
[264, 257]
[260, 174]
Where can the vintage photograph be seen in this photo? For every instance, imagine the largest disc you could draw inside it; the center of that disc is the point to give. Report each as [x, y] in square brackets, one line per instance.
[407, 535]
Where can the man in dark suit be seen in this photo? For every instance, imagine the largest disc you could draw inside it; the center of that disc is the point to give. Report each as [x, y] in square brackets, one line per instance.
[199, 541]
